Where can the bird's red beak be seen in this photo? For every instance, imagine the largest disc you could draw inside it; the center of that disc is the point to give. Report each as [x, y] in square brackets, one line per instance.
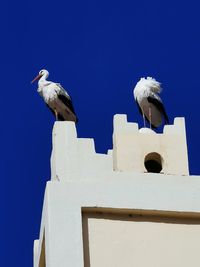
[36, 78]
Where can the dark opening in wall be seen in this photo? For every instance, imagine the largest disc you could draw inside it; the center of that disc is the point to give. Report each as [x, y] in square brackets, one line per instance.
[153, 162]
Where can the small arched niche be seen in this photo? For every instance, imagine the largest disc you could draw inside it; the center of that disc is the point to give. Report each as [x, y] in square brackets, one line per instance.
[153, 162]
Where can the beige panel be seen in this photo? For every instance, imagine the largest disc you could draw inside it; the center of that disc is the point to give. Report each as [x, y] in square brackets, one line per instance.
[113, 241]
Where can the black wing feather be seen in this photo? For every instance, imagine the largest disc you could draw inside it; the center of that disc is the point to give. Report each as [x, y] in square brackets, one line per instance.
[140, 110]
[159, 106]
[67, 102]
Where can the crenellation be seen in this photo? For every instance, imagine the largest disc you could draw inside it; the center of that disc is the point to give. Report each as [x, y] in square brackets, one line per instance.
[72, 156]
[177, 128]
[120, 124]
[131, 147]
[107, 209]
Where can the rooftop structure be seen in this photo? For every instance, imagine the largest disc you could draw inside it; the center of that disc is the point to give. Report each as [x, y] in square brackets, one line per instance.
[135, 205]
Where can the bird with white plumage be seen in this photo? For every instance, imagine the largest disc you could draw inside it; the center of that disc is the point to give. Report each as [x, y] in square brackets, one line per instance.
[56, 97]
[149, 102]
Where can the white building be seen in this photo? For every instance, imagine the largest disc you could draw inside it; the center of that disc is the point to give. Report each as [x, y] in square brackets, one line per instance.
[135, 206]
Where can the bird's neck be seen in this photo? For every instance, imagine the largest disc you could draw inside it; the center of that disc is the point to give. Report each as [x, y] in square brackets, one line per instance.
[42, 80]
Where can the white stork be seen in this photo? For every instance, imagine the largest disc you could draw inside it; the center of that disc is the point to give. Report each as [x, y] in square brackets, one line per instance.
[149, 103]
[56, 98]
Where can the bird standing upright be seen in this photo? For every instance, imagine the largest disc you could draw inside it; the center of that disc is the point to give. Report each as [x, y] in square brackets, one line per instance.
[149, 103]
[56, 98]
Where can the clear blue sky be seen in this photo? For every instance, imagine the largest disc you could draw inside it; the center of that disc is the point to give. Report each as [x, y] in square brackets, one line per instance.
[97, 50]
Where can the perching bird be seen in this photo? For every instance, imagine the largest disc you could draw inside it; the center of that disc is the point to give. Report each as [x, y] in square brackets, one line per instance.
[149, 103]
[56, 98]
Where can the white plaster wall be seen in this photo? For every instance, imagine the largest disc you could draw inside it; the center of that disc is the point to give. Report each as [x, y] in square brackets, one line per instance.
[82, 178]
[64, 200]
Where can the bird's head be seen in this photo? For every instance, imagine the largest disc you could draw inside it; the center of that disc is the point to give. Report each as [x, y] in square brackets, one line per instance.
[43, 72]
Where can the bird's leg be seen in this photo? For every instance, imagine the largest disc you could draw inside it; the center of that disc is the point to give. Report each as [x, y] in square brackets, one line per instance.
[144, 119]
[56, 114]
[150, 115]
